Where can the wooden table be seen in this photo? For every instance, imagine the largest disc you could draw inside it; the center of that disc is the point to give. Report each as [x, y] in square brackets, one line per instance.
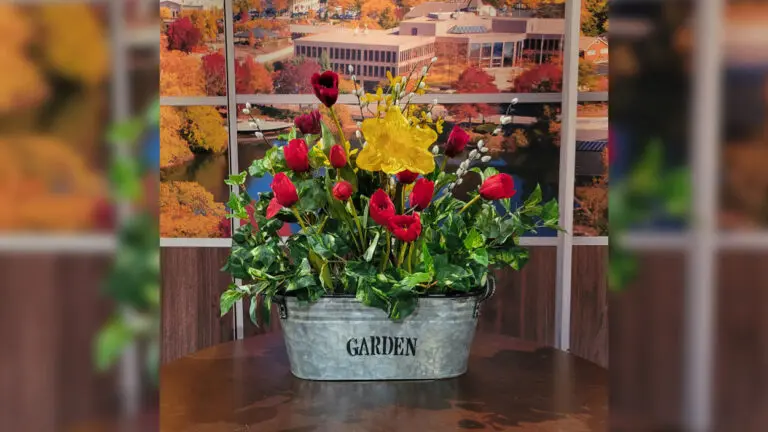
[511, 385]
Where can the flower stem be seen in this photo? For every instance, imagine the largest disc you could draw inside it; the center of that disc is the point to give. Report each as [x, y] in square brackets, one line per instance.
[341, 131]
[301, 221]
[385, 257]
[472, 201]
[402, 254]
[357, 222]
[442, 164]
[410, 257]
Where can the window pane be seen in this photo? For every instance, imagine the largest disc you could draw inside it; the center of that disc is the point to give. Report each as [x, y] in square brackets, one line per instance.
[497, 49]
[191, 46]
[591, 189]
[193, 166]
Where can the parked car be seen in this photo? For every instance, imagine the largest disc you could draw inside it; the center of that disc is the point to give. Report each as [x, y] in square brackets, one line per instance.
[269, 13]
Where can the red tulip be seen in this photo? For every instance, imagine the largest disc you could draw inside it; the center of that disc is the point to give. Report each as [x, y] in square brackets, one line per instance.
[421, 195]
[338, 157]
[342, 190]
[251, 210]
[285, 191]
[498, 187]
[308, 123]
[406, 177]
[382, 209]
[457, 140]
[326, 87]
[406, 228]
[296, 155]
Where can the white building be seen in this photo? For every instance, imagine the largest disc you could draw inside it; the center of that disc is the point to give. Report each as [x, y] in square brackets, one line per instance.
[298, 6]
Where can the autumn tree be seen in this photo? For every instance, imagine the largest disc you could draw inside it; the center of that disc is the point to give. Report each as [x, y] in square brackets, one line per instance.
[294, 77]
[594, 17]
[173, 148]
[252, 77]
[183, 35]
[165, 13]
[473, 80]
[180, 73]
[188, 210]
[541, 78]
[214, 70]
[206, 22]
[387, 19]
[204, 129]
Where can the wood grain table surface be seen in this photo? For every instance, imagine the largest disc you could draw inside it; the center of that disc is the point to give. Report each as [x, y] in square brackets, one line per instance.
[511, 385]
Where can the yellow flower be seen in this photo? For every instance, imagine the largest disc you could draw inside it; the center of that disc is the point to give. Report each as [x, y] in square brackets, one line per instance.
[393, 80]
[394, 145]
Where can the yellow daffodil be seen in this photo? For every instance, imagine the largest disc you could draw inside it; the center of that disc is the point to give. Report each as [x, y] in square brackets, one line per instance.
[393, 79]
[394, 145]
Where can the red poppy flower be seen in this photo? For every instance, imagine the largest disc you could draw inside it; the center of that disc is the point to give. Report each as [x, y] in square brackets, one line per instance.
[382, 209]
[326, 87]
[406, 228]
[338, 157]
[457, 140]
[421, 195]
[406, 177]
[342, 190]
[285, 191]
[296, 155]
[498, 187]
[308, 123]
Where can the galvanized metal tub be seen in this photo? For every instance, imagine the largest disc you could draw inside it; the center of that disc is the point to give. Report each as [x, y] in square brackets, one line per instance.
[338, 338]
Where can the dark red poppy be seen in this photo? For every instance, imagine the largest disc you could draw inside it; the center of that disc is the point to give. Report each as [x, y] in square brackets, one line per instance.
[285, 191]
[421, 195]
[457, 140]
[381, 208]
[406, 177]
[338, 157]
[326, 87]
[342, 190]
[406, 228]
[308, 123]
[498, 187]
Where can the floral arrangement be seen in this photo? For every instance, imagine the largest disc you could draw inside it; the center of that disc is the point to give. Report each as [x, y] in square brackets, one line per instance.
[378, 217]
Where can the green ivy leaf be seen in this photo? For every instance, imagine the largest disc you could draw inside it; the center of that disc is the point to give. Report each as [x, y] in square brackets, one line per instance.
[317, 157]
[252, 308]
[236, 179]
[534, 198]
[426, 257]
[411, 280]
[371, 248]
[325, 278]
[473, 240]
[480, 256]
[550, 213]
[229, 298]
[126, 133]
[111, 342]
[327, 138]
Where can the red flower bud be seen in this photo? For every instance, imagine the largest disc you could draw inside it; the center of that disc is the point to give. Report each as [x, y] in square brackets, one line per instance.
[421, 195]
[406, 177]
[342, 190]
[285, 191]
[381, 208]
[406, 228]
[326, 87]
[338, 157]
[498, 187]
[457, 140]
[296, 155]
[308, 123]
[273, 208]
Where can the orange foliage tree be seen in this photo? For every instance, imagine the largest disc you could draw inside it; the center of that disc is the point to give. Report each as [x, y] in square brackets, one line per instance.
[180, 73]
[473, 80]
[204, 129]
[173, 148]
[206, 22]
[188, 210]
[252, 77]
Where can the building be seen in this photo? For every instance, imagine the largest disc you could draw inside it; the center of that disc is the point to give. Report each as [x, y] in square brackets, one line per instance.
[371, 54]
[594, 49]
[300, 6]
[176, 7]
[488, 41]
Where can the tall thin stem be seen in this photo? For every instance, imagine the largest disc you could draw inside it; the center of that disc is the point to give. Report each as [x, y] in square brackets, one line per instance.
[385, 257]
[411, 247]
[466, 206]
[402, 254]
[301, 221]
[341, 131]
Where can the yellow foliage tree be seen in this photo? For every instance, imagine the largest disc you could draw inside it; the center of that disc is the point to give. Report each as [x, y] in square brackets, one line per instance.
[204, 129]
[22, 85]
[188, 210]
[173, 149]
[205, 21]
[77, 52]
[165, 13]
[181, 74]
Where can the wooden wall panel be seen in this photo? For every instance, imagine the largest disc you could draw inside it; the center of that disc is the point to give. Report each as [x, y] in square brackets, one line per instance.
[741, 386]
[646, 345]
[192, 282]
[524, 304]
[589, 303]
[51, 310]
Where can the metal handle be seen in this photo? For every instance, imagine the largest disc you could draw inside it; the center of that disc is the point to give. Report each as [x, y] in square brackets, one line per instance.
[490, 290]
